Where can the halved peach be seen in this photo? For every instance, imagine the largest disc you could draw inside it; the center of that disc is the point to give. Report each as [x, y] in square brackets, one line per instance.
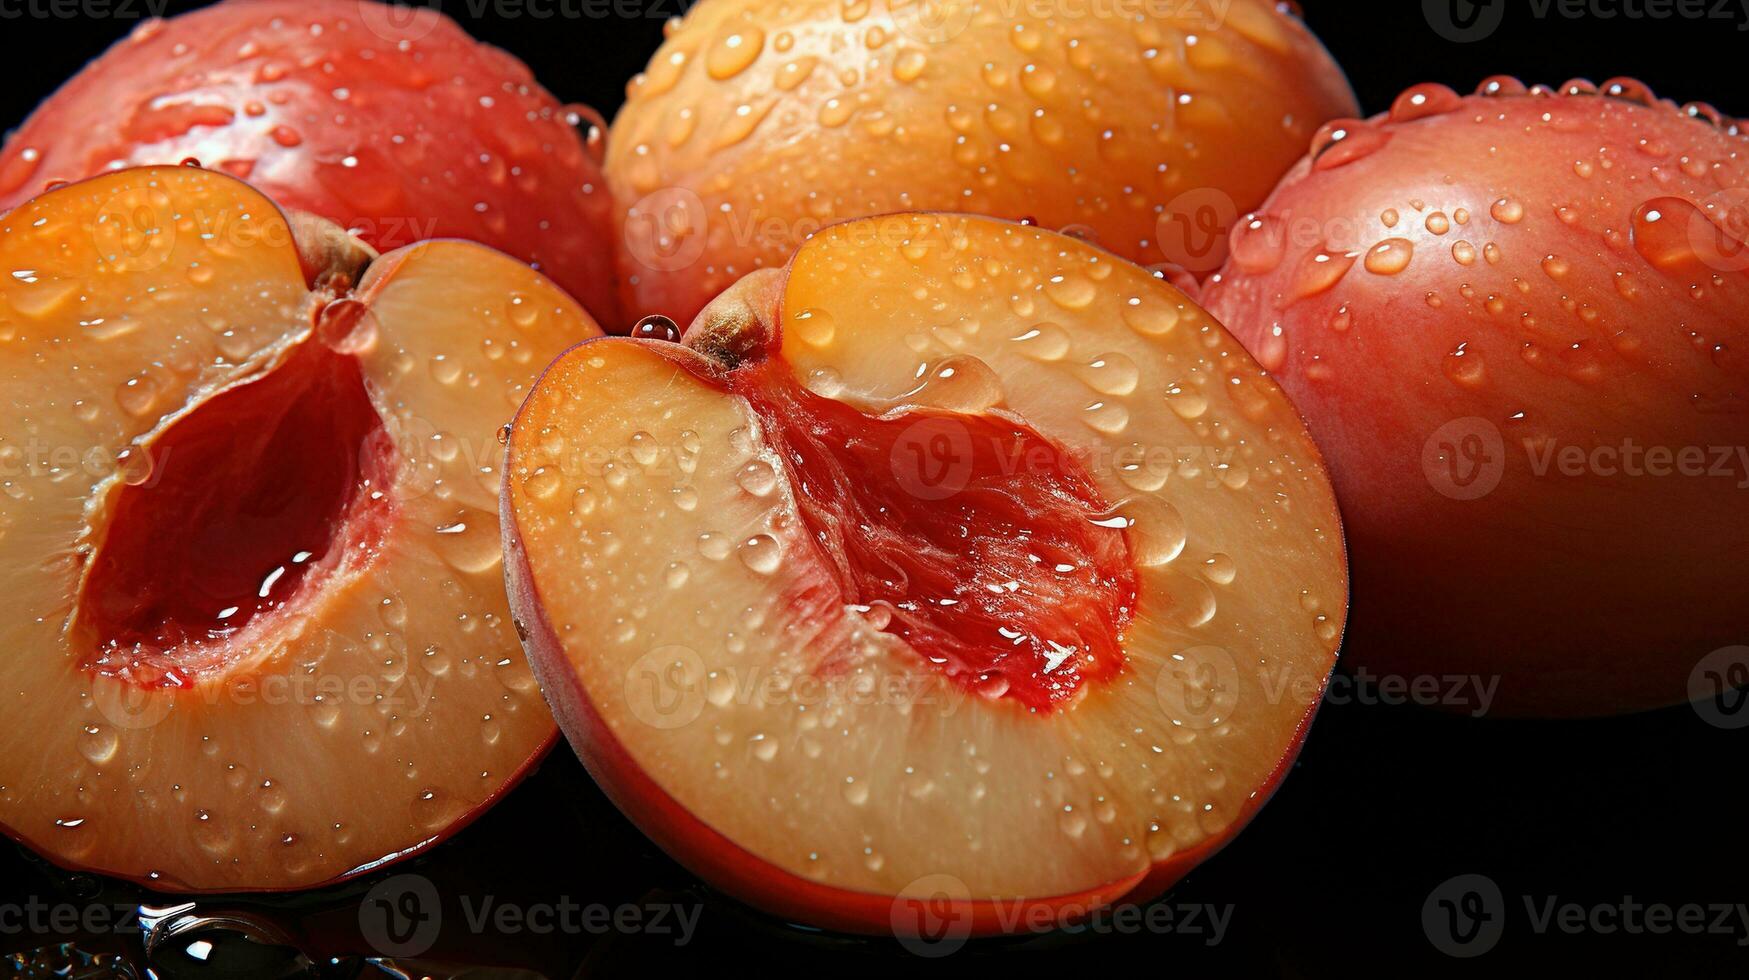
[958, 559]
[251, 629]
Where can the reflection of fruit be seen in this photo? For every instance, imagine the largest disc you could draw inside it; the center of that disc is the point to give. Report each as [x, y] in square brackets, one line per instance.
[756, 124]
[252, 627]
[388, 120]
[1464, 297]
[998, 536]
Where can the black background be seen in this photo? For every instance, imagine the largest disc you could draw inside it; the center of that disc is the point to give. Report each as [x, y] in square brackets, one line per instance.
[1387, 802]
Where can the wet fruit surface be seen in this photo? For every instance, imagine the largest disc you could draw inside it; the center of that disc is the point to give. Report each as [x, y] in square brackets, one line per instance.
[250, 575]
[755, 125]
[391, 122]
[1509, 318]
[724, 577]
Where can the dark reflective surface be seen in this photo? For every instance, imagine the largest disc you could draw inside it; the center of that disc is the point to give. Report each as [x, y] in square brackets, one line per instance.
[1388, 803]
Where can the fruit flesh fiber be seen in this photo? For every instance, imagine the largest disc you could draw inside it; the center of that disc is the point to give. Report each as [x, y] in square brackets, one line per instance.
[1109, 793]
[781, 119]
[1008, 585]
[1533, 285]
[349, 725]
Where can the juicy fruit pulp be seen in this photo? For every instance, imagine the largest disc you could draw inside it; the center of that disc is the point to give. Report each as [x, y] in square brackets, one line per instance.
[756, 124]
[700, 540]
[1505, 281]
[258, 488]
[251, 603]
[1005, 582]
[391, 122]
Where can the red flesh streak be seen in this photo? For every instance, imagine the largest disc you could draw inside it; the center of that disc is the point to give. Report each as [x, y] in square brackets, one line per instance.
[975, 533]
[257, 492]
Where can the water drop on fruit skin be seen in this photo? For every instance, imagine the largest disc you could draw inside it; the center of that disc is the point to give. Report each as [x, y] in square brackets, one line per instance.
[1258, 243]
[757, 478]
[656, 327]
[1318, 271]
[1154, 528]
[1043, 342]
[815, 328]
[1422, 101]
[1343, 141]
[1111, 374]
[1390, 256]
[1465, 367]
[761, 553]
[958, 384]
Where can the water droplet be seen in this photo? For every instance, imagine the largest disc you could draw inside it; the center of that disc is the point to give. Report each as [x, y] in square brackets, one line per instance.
[960, 383]
[1150, 319]
[761, 553]
[99, 744]
[138, 394]
[757, 478]
[908, 65]
[714, 545]
[733, 52]
[1111, 374]
[1155, 530]
[1108, 417]
[470, 543]
[1318, 271]
[1258, 244]
[1390, 256]
[1343, 141]
[1422, 101]
[815, 328]
[1220, 569]
[656, 327]
[543, 483]
[1043, 342]
[1465, 367]
[1071, 292]
[1186, 401]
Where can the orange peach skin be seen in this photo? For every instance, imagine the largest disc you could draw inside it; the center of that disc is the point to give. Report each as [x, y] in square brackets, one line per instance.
[756, 124]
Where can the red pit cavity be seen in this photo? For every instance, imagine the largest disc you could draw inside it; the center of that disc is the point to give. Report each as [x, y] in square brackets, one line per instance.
[250, 498]
[990, 567]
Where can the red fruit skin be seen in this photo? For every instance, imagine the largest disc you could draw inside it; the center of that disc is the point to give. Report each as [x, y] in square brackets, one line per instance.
[1581, 323]
[391, 121]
